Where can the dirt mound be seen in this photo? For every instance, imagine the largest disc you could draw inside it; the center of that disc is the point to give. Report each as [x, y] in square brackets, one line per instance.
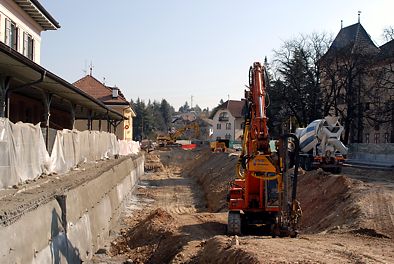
[221, 249]
[336, 203]
[330, 203]
[213, 172]
[180, 157]
[155, 239]
[342, 218]
[326, 201]
[317, 248]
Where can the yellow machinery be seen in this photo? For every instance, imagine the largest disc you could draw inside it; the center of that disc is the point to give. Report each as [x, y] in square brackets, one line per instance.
[219, 145]
[170, 139]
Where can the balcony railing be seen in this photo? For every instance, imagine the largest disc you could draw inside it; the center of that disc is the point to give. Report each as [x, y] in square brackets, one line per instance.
[223, 118]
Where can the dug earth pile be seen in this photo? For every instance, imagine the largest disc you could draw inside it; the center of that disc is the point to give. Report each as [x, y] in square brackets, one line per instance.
[182, 217]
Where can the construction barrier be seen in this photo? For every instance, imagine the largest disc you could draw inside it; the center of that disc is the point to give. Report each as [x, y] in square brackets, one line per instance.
[23, 154]
[189, 146]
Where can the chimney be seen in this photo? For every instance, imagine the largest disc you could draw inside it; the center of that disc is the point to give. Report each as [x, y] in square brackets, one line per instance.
[115, 92]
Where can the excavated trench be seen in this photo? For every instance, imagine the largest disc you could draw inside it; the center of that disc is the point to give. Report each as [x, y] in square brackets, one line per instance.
[186, 223]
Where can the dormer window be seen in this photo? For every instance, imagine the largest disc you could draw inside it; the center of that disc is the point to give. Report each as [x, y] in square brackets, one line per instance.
[223, 116]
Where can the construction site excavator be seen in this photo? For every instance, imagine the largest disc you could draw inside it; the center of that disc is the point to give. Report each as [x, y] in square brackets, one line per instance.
[263, 194]
[170, 139]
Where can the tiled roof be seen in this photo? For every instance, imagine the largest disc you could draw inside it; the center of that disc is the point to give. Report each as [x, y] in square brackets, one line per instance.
[386, 51]
[235, 107]
[98, 90]
[355, 38]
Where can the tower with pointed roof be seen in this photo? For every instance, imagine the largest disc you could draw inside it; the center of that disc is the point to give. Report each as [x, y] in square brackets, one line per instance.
[349, 82]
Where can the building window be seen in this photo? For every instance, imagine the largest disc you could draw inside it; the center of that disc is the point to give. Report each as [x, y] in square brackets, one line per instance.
[228, 136]
[376, 138]
[366, 138]
[28, 45]
[386, 138]
[223, 116]
[11, 34]
[228, 126]
[219, 126]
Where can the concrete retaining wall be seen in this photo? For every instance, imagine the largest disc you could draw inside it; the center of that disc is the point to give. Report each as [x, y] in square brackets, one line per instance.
[378, 154]
[73, 226]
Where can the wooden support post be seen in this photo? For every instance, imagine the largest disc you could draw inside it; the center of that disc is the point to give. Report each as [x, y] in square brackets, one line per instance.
[108, 124]
[73, 110]
[47, 104]
[4, 103]
[90, 120]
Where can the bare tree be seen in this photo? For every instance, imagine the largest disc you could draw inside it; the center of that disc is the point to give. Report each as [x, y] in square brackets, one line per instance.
[388, 33]
[344, 74]
[296, 87]
[379, 97]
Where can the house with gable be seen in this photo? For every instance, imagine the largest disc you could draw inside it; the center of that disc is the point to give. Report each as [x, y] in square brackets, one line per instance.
[113, 98]
[228, 121]
[29, 92]
[21, 24]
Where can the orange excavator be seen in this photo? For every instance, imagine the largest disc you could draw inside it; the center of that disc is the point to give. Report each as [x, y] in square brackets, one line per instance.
[263, 195]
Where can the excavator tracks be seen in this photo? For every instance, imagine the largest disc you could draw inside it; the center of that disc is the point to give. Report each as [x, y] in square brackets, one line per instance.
[234, 223]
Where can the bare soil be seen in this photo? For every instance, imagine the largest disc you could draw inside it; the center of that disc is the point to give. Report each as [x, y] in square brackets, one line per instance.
[347, 218]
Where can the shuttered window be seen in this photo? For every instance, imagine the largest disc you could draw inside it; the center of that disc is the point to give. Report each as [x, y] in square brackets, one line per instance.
[11, 34]
[28, 45]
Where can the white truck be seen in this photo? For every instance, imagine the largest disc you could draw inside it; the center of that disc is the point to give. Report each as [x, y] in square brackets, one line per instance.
[321, 146]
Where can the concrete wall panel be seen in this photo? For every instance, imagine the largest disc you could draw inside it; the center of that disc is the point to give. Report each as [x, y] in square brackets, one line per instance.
[87, 213]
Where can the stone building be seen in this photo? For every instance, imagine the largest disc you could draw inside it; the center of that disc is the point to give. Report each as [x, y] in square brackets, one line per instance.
[357, 83]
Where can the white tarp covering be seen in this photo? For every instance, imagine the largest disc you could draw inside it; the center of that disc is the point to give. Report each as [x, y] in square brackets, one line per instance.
[73, 147]
[128, 147]
[23, 154]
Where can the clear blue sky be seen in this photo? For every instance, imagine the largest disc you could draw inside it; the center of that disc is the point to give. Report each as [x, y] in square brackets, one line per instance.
[174, 49]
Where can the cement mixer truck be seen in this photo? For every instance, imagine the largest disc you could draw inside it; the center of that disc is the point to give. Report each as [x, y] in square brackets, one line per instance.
[321, 146]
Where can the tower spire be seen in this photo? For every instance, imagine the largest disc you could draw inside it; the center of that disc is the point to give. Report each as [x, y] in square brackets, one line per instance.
[359, 14]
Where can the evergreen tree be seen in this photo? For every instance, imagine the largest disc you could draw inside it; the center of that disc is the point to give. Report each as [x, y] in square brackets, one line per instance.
[166, 111]
[184, 108]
